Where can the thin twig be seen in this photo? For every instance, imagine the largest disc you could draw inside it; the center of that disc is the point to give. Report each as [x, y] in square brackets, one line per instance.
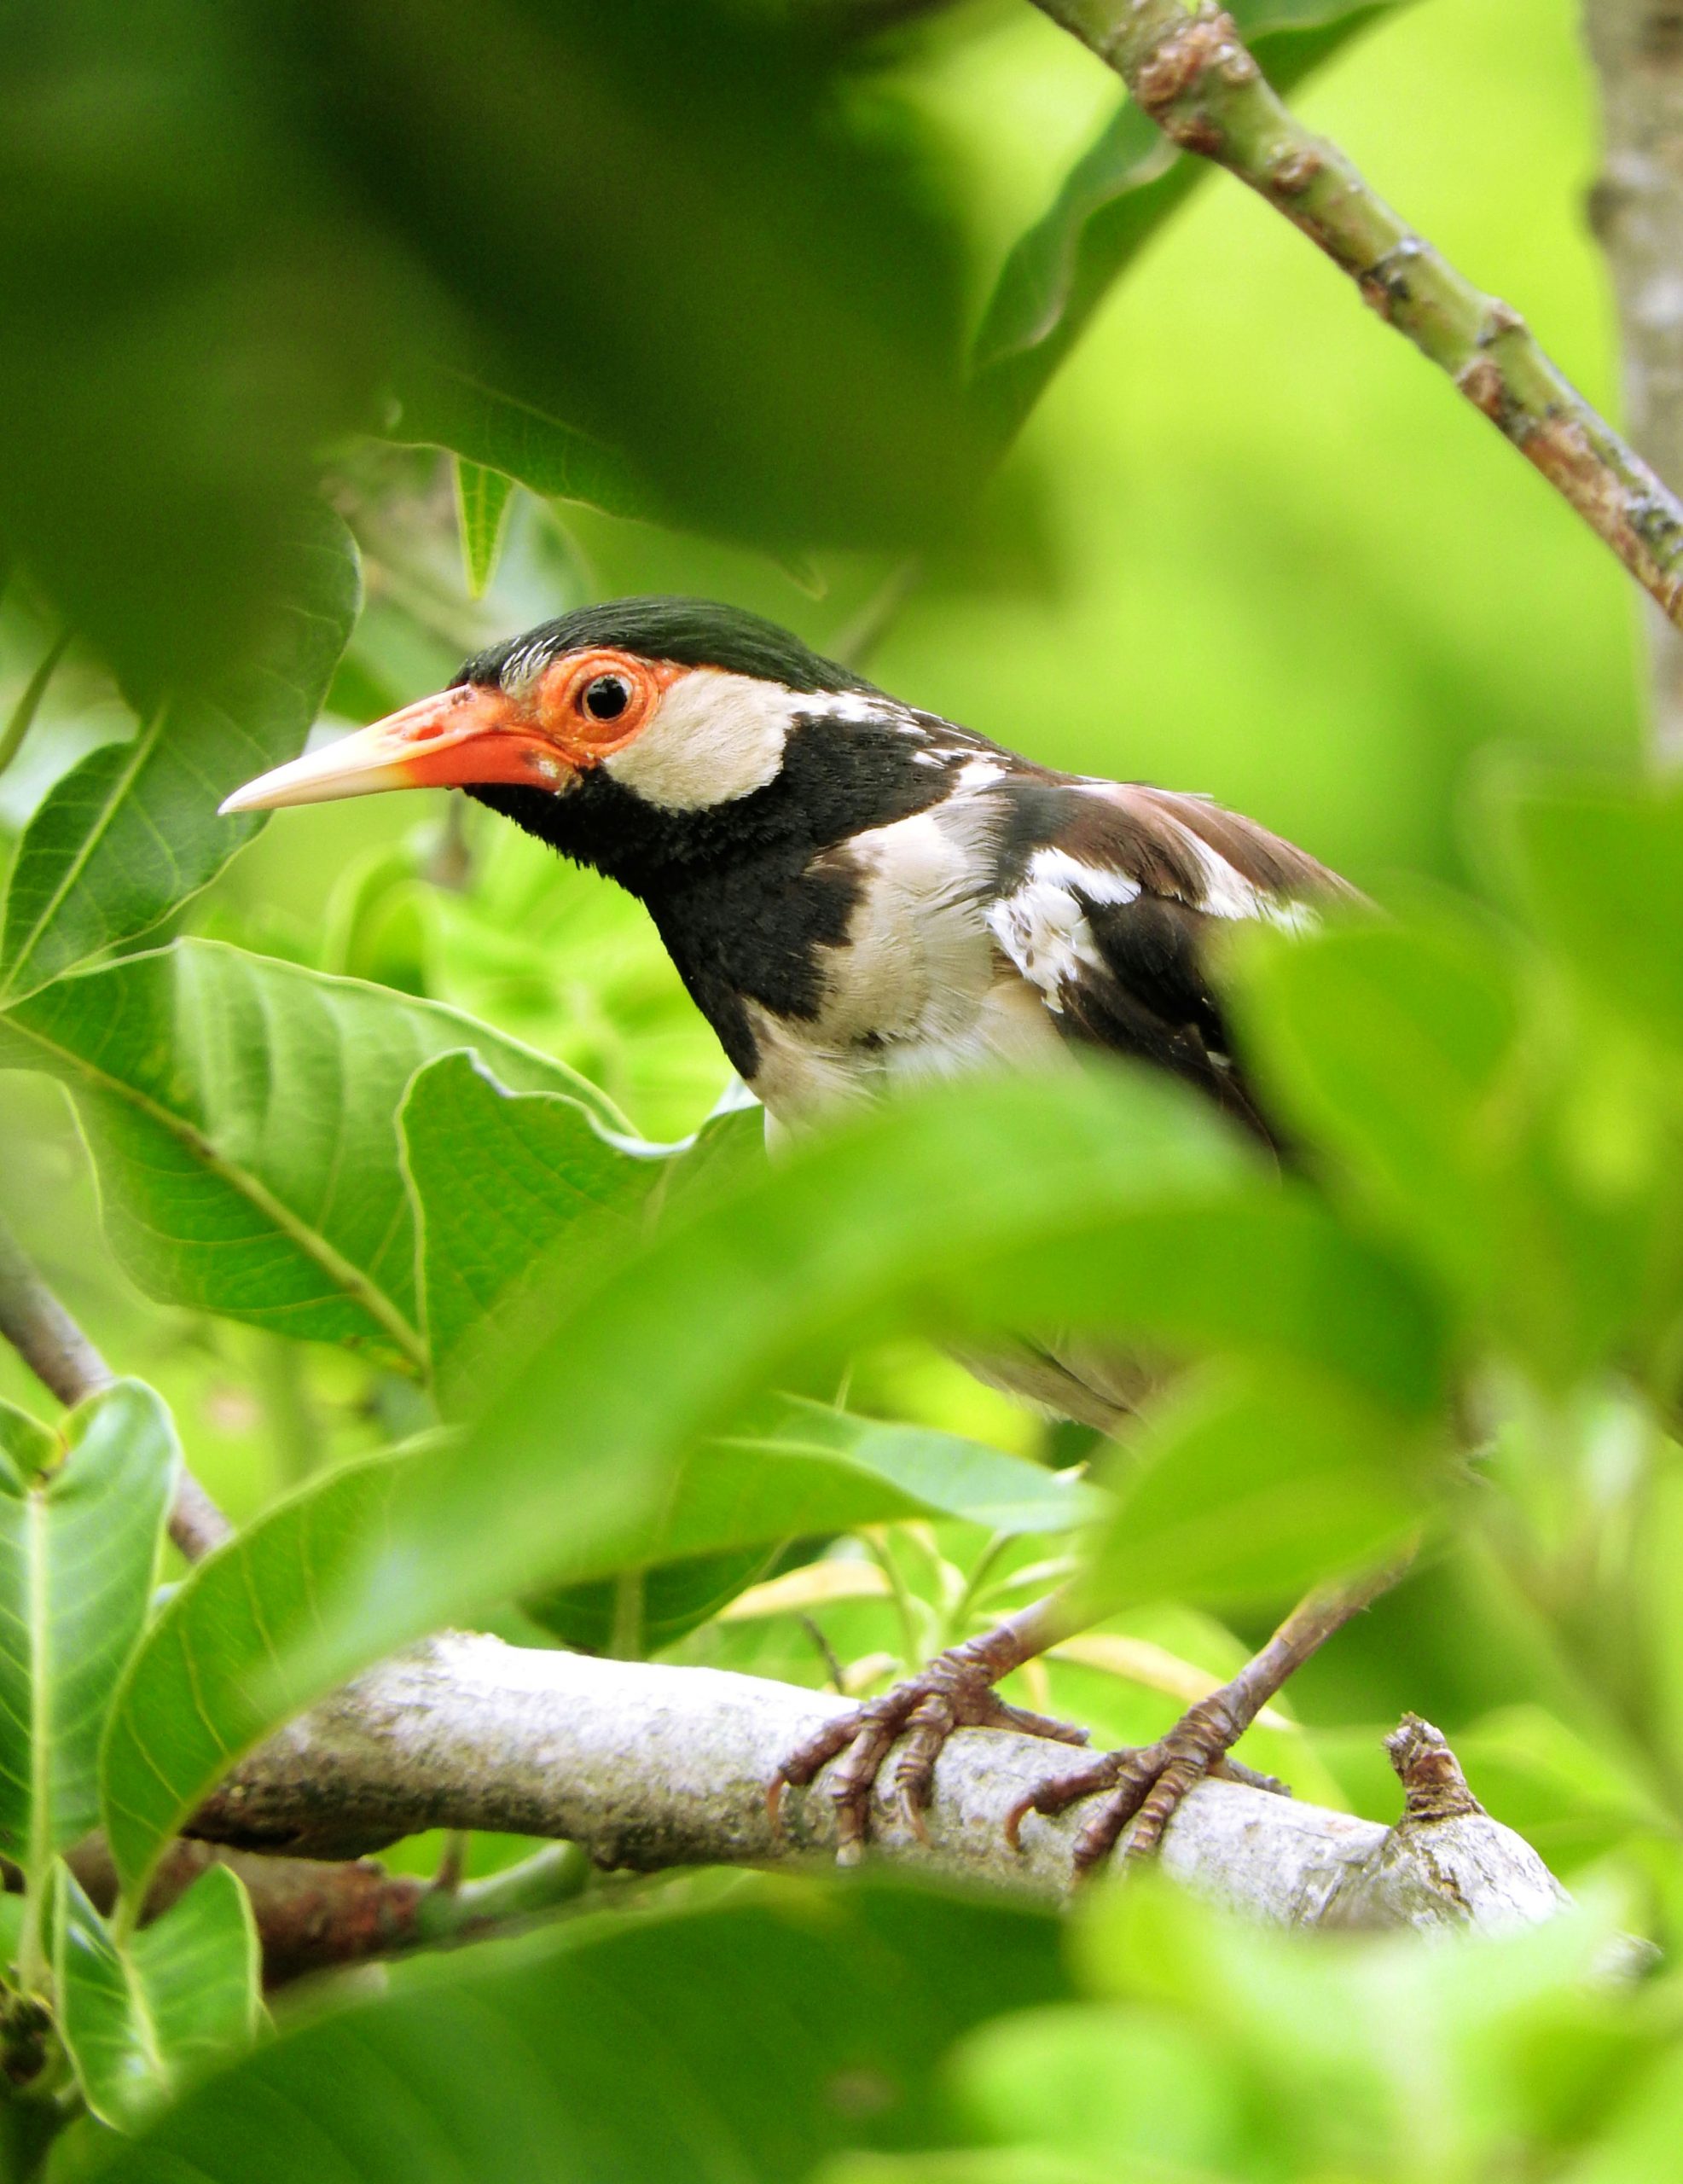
[65, 1362]
[41, 1331]
[1193, 75]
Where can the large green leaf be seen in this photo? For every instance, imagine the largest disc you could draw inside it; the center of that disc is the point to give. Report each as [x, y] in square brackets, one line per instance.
[129, 833]
[795, 1459]
[946, 1472]
[600, 2054]
[439, 406]
[144, 2017]
[243, 1115]
[1600, 868]
[497, 1179]
[1423, 1061]
[1096, 1200]
[1112, 203]
[82, 1516]
[1252, 1492]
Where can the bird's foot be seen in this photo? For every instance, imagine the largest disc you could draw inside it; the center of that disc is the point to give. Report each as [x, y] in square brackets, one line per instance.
[1147, 1784]
[954, 1691]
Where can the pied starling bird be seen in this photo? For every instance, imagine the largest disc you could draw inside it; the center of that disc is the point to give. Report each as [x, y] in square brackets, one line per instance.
[858, 894]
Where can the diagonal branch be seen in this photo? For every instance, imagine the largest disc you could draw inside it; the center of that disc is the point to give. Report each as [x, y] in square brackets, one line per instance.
[67, 1364]
[1193, 76]
[650, 1767]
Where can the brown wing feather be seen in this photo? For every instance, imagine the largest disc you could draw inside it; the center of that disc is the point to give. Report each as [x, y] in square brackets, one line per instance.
[1197, 867]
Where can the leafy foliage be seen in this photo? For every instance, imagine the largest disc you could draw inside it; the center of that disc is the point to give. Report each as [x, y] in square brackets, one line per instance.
[862, 1996]
[1111, 204]
[242, 1112]
[357, 1132]
[127, 836]
[81, 1521]
[144, 2017]
[206, 301]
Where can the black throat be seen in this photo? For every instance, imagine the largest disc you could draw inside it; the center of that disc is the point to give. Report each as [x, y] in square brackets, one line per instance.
[743, 893]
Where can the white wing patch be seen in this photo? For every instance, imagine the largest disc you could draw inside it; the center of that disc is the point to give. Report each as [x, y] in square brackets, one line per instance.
[1042, 926]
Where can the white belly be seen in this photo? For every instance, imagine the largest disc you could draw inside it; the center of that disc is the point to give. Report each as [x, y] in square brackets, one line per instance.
[919, 990]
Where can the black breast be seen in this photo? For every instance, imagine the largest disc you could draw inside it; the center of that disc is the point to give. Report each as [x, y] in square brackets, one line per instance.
[742, 898]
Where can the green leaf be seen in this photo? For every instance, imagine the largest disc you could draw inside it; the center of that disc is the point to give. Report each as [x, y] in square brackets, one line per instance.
[483, 499]
[1432, 1072]
[790, 1474]
[442, 407]
[497, 1179]
[1599, 869]
[1395, 1049]
[1096, 1200]
[600, 2053]
[81, 1522]
[1251, 1492]
[142, 2019]
[242, 1112]
[949, 1475]
[1113, 202]
[133, 830]
[29, 1446]
[1108, 2087]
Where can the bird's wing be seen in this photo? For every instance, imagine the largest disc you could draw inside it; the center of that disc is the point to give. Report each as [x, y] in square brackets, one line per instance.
[1112, 895]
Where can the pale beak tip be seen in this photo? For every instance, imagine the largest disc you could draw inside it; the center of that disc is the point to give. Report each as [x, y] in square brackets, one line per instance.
[242, 800]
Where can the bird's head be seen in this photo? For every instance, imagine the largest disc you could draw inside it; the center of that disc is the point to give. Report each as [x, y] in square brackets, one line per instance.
[677, 705]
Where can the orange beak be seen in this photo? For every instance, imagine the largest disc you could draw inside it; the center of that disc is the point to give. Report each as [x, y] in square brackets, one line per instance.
[462, 738]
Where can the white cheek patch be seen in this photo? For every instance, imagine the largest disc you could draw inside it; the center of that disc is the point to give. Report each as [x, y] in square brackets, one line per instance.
[714, 738]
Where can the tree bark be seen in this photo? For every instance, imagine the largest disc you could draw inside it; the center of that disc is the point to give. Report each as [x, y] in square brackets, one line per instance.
[1636, 208]
[650, 1767]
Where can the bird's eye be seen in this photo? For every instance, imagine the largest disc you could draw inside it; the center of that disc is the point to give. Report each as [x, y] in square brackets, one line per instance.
[607, 697]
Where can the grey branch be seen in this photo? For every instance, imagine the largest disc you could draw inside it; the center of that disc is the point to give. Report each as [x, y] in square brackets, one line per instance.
[1636, 208]
[650, 1767]
[67, 1365]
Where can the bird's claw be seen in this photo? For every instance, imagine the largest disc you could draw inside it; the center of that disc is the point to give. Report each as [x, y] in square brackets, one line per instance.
[1147, 1784]
[954, 1691]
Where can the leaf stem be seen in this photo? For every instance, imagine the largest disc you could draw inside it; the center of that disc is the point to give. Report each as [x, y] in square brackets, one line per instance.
[29, 703]
[551, 1876]
[625, 1635]
[1193, 75]
[882, 1555]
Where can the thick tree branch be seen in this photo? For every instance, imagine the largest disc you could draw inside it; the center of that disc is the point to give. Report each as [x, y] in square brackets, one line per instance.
[67, 1364]
[650, 1767]
[1636, 211]
[1192, 74]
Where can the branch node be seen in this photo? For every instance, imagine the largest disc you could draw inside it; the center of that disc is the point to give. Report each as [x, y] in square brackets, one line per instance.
[1482, 382]
[1295, 170]
[1168, 84]
[1433, 1784]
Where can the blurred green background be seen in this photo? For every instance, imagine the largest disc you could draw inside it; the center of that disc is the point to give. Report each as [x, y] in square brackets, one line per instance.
[1250, 544]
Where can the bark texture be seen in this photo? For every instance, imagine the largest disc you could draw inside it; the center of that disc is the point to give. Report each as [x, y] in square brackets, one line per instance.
[1636, 208]
[649, 1766]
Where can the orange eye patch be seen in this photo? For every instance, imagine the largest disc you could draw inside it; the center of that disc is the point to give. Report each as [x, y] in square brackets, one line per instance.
[592, 704]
